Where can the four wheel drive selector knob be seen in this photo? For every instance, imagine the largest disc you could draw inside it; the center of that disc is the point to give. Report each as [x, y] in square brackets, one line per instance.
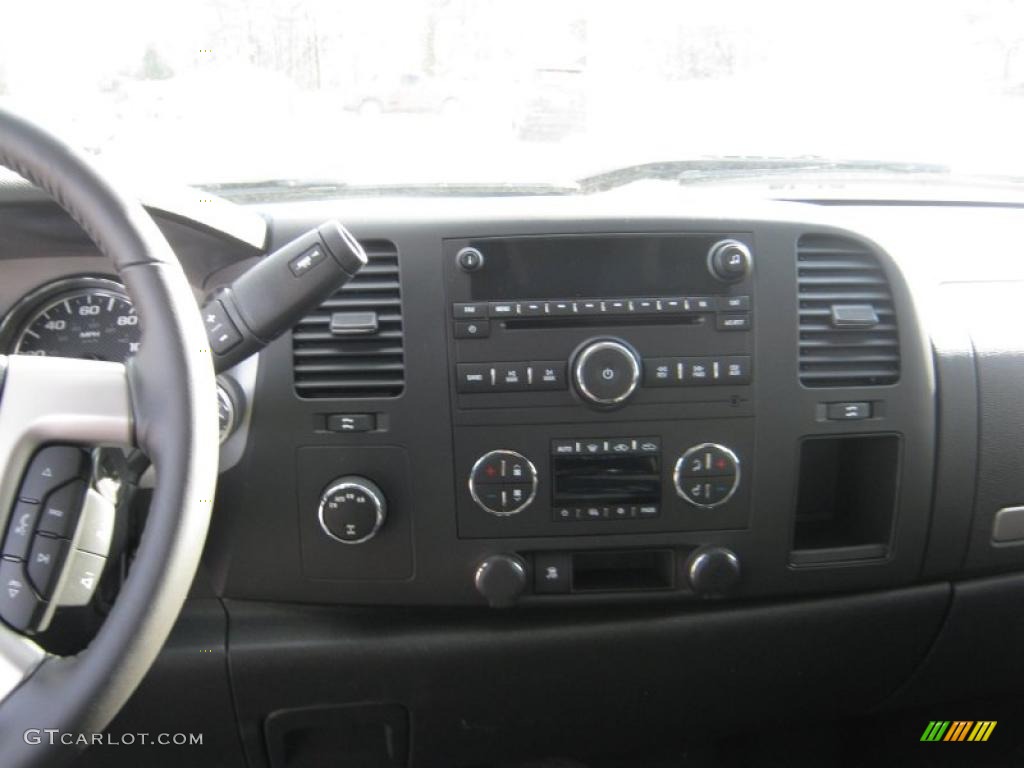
[352, 510]
[606, 372]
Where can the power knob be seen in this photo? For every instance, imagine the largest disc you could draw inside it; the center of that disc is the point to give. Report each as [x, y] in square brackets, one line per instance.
[729, 260]
[606, 372]
[352, 510]
[713, 571]
[501, 579]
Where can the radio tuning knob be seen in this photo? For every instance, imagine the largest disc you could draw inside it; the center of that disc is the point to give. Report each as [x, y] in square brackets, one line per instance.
[606, 372]
[713, 571]
[501, 579]
[729, 260]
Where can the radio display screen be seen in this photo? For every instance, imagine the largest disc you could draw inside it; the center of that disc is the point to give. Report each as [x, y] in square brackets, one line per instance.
[593, 266]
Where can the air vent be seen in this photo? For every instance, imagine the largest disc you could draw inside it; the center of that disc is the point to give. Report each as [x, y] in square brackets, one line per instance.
[848, 334]
[351, 346]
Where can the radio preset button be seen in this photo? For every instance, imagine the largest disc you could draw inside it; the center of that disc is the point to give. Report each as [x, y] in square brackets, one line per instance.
[700, 304]
[510, 377]
[548, 374]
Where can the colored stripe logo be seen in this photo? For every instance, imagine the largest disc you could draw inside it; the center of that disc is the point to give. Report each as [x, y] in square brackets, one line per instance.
[958, 730]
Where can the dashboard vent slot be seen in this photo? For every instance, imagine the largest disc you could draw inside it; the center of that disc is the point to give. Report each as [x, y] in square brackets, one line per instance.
[333, 362]
[848, 333]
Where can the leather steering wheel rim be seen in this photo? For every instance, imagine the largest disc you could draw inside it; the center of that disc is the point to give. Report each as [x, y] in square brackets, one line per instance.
[172, 418]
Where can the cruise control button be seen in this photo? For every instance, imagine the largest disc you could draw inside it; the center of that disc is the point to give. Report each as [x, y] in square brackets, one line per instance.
[44, 563]
[60, 511]
[20, 528]
[84, 571]
[20, 606]
[51, 468]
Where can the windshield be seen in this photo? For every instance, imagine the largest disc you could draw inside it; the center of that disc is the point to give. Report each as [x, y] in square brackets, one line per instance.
[491, 92]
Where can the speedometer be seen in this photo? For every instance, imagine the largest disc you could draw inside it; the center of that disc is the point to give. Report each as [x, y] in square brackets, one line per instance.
[95, 320]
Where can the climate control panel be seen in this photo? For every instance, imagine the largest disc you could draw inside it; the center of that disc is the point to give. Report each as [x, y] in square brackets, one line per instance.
[677, 476]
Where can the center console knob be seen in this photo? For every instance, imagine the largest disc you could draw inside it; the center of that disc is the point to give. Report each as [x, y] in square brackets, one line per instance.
[713, 571]
[501, 579]
[352, 510]
[606, 372]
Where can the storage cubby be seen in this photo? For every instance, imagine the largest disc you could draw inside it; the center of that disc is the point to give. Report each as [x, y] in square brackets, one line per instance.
[846, 500]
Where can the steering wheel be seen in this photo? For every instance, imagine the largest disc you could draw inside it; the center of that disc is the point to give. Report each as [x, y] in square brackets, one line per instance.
[162, 401]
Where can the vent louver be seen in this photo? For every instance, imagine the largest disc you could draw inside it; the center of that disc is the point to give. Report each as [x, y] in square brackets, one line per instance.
[848, 332]
[336, 353]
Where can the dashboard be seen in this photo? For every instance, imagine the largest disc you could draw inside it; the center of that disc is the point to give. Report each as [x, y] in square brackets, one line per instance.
[558, 405]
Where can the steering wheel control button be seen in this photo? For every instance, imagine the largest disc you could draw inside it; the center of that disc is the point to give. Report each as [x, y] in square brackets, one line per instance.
[51, 468]
[19, 530]
[44, 563]
[503, 482]
[352, 510]
[729, 260]
[707, 475]
[81, 578]
[20, 606]
[221, 332]
[60, 511]
[97, 527]
[606, 372]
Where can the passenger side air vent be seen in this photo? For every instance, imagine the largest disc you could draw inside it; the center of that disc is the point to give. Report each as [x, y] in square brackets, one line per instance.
[848, 334]
[352, 345]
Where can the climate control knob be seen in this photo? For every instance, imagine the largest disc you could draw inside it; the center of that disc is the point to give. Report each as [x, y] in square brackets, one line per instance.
[352, 510]
[707, 475]
[606, 372]
[503, 482]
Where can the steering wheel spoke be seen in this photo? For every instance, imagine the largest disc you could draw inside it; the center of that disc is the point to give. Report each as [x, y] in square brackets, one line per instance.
[19, 658]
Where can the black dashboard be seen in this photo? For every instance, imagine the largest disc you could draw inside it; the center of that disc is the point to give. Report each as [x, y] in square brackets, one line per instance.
[796, 420]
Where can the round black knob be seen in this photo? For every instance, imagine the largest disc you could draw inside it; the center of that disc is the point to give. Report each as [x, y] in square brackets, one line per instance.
[352, 510]
[501, 579]
[729, 260]
[469, 259]
[606, 372]
[713, 571]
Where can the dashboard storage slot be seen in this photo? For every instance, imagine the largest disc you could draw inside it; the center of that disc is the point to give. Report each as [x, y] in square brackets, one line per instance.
[622, 571]
[846, 499]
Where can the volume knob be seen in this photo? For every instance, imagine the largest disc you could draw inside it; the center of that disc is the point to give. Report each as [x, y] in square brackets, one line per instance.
[606, 372]
[729, 260]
